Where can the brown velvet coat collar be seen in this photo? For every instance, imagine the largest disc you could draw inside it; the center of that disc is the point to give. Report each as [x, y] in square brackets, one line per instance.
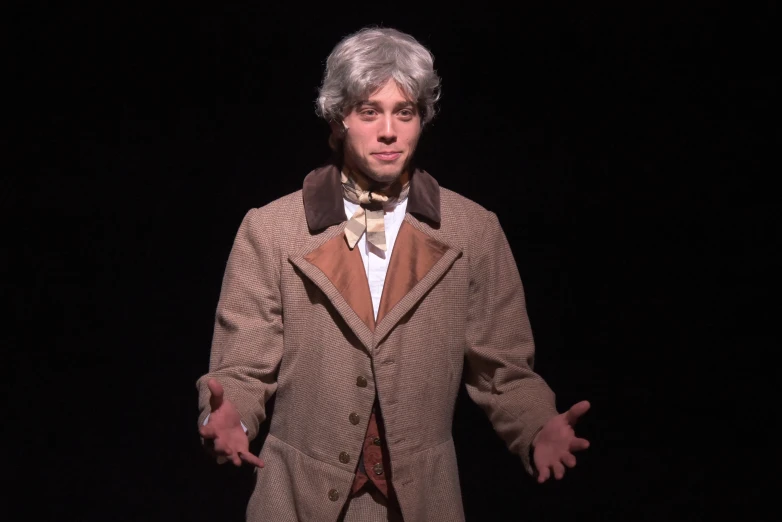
[323, 203]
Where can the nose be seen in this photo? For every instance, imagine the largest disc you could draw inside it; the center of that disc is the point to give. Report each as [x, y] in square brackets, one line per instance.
[387, 131]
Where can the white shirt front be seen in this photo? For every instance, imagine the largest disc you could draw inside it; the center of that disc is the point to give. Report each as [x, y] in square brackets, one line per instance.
[375, 260]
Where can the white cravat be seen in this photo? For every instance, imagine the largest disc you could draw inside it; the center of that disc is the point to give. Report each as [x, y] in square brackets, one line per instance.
[375, 260]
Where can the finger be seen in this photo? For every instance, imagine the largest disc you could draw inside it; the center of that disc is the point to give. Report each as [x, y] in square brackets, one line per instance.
[559, 470]
[543, 474]
[222, 448]
[569, 460]
[579, 444]
[216, 389]
[236, 460]
[576, 411]
[221, 459]
[207, 432]
[251, 459]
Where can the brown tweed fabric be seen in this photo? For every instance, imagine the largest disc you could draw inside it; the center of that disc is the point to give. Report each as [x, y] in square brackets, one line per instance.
[369, 216]
[415, 254]
[465, 313]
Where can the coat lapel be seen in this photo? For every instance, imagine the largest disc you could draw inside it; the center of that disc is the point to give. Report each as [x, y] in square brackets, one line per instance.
[418, 261]
[339, 273]
[419, 258]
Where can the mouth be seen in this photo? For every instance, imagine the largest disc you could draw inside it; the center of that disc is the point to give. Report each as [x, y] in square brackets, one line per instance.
[387, 155]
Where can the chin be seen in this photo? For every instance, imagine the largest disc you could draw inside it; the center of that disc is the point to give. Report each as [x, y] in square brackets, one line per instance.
[385, 173]
[385, 178]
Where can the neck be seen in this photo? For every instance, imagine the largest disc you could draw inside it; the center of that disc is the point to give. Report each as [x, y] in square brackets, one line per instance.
[389, 188]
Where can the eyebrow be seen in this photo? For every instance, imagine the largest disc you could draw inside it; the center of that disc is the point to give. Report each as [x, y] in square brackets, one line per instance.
[398, 106]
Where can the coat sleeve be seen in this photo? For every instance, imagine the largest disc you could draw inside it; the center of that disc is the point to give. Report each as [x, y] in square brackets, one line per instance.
[247, 341]
[500, 355]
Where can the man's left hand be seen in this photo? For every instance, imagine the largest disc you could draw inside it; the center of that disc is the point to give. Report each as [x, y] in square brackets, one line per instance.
[555, 442]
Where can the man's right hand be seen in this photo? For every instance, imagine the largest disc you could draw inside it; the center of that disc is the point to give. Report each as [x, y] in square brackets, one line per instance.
[224, 433]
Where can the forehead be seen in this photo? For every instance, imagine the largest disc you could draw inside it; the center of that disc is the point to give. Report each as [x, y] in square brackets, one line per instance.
[390, 93]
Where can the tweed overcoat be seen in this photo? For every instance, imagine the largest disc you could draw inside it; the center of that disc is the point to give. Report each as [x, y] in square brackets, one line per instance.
[295, 319]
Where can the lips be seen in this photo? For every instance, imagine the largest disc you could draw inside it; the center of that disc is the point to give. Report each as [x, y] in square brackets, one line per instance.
[387, 155]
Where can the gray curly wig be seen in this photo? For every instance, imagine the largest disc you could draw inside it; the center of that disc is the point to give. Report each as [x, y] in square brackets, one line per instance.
[364, 61]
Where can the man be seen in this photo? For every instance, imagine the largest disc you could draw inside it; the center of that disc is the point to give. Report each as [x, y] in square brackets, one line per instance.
[359, 300]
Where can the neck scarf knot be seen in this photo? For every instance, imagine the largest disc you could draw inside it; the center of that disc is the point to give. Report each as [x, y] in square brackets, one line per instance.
[369, 217]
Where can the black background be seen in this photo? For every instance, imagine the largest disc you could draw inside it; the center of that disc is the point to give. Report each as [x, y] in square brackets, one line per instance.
[622, 147]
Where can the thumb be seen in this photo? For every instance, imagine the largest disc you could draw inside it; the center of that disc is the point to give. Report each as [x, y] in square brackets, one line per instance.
[216, 389]
[576, 411]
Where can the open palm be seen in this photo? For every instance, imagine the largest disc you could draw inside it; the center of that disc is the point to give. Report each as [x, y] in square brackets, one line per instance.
[224, 432]
[556, 441]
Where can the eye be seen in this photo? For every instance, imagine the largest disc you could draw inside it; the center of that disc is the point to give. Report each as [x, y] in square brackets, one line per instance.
[368, 112]
[406, 114]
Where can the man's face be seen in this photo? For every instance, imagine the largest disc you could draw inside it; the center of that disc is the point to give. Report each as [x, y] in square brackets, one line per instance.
[382, 133]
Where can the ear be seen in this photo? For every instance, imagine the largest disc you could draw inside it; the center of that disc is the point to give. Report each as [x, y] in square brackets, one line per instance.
[337, 134]
[338, 128]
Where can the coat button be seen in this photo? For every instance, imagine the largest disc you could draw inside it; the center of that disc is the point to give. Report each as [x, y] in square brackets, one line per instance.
[354, 418]
[333, 495]
[361, 381]
[344, 458]
[378, 468]
[376, 441]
